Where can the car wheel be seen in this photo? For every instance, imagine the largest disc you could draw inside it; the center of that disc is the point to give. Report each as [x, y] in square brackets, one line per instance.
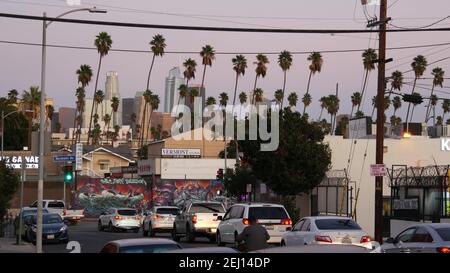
[151, 232]
[236, 244]
[99, 226]
[144, 232]
[110, 227]
[175, 235]
[189, 235]
[219, 240]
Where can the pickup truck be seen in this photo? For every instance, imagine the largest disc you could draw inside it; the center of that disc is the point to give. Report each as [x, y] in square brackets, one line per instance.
[58, 206]
[197, 219]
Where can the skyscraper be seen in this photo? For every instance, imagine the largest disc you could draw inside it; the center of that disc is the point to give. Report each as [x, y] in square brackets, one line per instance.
[127, 110]
[173, 81]
[112, 90]
[66, 118]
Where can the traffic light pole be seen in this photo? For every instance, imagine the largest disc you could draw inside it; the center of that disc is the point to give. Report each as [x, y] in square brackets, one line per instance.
[380, 124]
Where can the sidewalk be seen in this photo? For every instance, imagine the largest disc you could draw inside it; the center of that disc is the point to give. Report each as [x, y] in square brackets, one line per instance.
[8, 245]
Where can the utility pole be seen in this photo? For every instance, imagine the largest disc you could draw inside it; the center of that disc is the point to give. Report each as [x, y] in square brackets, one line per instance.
[380, 123]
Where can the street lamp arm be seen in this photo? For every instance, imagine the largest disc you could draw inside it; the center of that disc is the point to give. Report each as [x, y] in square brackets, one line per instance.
[93, 9]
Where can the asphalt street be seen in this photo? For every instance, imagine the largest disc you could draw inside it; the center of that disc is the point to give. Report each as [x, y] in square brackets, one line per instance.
[91, 240]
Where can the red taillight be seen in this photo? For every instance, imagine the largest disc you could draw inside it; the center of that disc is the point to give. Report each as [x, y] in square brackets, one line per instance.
[443, 250]
[194, 219]
[365, 239]
[324, 239]
[286, 221]
[245, 221]
[64, 212]
[155, 216]
[117, 217]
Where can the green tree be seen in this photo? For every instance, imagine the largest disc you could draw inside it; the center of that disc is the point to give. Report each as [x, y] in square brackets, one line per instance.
[49, 111]
[261, 71]
[239, 66]
[306, 101]
[32, 99]
[438, 79]
[433, 101]
[16, 126]
[359, 114]
[9, 184]
[208, 54]
[210, 101]
[292, 99]
[12, 96]
[397, 103]
[236, 181]
[419, 65]
[332, 108]
[315, 67]
[157, 45]
[356, 101]
[278, 95]
[369, 56]
[103, 44]
[323, 105]
[285, 62]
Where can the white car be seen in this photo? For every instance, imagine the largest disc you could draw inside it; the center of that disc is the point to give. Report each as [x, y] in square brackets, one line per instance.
[52, 206]
[326, 230]
[160, 219]
[119, 219]
[273, 217]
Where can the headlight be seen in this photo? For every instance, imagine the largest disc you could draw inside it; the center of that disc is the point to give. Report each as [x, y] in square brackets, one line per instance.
[63, 228]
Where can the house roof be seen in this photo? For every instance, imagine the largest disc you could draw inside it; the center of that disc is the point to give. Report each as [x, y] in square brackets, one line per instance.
[123, 152]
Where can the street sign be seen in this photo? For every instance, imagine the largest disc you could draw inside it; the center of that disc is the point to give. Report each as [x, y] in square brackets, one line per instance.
[79, 157]
[378, 170]
[63, 158]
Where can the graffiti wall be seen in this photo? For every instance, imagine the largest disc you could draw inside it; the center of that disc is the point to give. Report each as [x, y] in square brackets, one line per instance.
[175, 192]
[96, 195]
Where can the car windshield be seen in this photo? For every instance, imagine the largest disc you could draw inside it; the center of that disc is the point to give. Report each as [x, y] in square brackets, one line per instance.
[49, 219]
[148, 248]
[207, 208]
[56, 205]
[265, 213]
[173, 211]
[126, 212]
[337, 224]
[444, 233]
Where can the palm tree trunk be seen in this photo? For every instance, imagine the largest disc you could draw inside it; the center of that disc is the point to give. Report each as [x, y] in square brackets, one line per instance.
[95, 90]
[412, 113]
[364, 88]
[351, 112]
[74, 125]
[409, 104]
[428, 106]
[284, 86]
[143, 125]
[252, 101]
[203, 81]
[149, 124]
[150, 71]
[373, 112]
[232, 112]
[307, 89]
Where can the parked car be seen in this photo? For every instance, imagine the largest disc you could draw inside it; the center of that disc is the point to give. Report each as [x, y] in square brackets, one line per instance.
[204, 250]
[420, 238]
[273, 217]
[25, 212]
[145, 245]
[159, 219]
[316, 248]
[197, 218]
[53, 229]
[119, 219]
[52, 206]
[327, 230]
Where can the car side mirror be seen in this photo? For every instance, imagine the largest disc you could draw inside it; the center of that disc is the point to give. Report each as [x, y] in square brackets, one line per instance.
[390, 241]
[289, 229]
[219, 218]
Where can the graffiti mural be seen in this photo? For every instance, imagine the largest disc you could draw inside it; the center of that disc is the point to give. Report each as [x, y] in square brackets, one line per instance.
[96, 195]
[175, 192]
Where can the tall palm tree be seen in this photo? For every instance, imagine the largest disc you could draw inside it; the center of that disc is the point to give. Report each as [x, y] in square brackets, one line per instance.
[208, 55]
[433, 101]
[397, 103]
[154, 105]
[189, 70]
[356, 100]
[80, 107]
[106, 120]
[292, 99]
[316, 66]
[12, 96]
[419, 65]
[445, 108]
[369, 56]
[239, 66]
[306, 101]
[158, 44]
[210, 101]
[32, 99]
[259, 95]
[182, 93]
[261, 71]
[147, 95]
[397, 81]
[49, 111]
[285, 62]
[278, 95]
[223, 99]
[332, 105]
[438, 79]
[242, 101]
[98, 99]
[103, 43]
[323, 104]
[84, 75]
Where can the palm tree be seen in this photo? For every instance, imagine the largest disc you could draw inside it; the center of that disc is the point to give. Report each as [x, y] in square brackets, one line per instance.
[133, 122]
[183, 90]
[223, 99]
[419, 65]
[115, 102]
[433, 101]
[387, 104]
[323, 104]
[397, 81]
[80, 107]
[147, 95]
[32, 99]
[278, 96]
[356, 100]
[49, 110]
[12, 96]
[369, 56]
[158, 44]
[98, 99]
[285, 62]
[210, 101]
[438, 79]
[239, 66]
[306, 101]
[438, 120]
[259, 95]
[106, 120]
[397, 103]
[292, 99]
[445, 108]
[316, 66]
[103, 43]
[154, 105]
[208, 55]
[84, 75]
[332, 103]
[242, 101]
[189, 71]
[261, 70]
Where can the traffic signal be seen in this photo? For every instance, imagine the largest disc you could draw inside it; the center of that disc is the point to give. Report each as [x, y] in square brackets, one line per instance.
[219, 175]
[413, 98]
[68, 174]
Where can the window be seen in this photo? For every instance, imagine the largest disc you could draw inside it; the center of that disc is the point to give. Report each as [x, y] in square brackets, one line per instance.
[444, 233]
[56, 204]
[268, 213]
[173, 211]
[306, 225]
[228, 214]
[337, 224]
[238, 212]
[422, 236]
[298, 226]
[406, 236]
[104, 165]
[126, 212]
[207, 208]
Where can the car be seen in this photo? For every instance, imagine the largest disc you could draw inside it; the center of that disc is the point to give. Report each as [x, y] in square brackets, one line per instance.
[420, 238]
[119, 219]
[52, 206]
[53, 229]
[197, 218]
[223, 250]
[327, 230]
[273, 217]
[142, 245]
[317, 248]
[159, 219]
[25, 212]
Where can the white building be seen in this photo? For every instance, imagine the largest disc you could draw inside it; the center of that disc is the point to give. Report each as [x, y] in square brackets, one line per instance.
[171, 94]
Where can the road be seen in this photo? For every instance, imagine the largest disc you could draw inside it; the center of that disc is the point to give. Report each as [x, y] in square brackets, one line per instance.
[92, 241]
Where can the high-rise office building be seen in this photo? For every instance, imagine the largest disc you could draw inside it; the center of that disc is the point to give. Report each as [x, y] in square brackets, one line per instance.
[127, 110]
[66, 118]
[112, 90]
[173, 81]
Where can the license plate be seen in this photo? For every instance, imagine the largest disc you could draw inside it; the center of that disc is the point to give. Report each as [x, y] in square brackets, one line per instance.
[213, 230]
[269, 227]
[50, 236]
[346, 240]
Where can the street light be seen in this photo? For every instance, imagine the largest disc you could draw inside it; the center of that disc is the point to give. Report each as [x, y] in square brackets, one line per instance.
[3, 126]
[45, 24]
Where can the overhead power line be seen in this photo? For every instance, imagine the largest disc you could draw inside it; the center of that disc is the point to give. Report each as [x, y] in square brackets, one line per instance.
[219, 29]
[421, 27]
